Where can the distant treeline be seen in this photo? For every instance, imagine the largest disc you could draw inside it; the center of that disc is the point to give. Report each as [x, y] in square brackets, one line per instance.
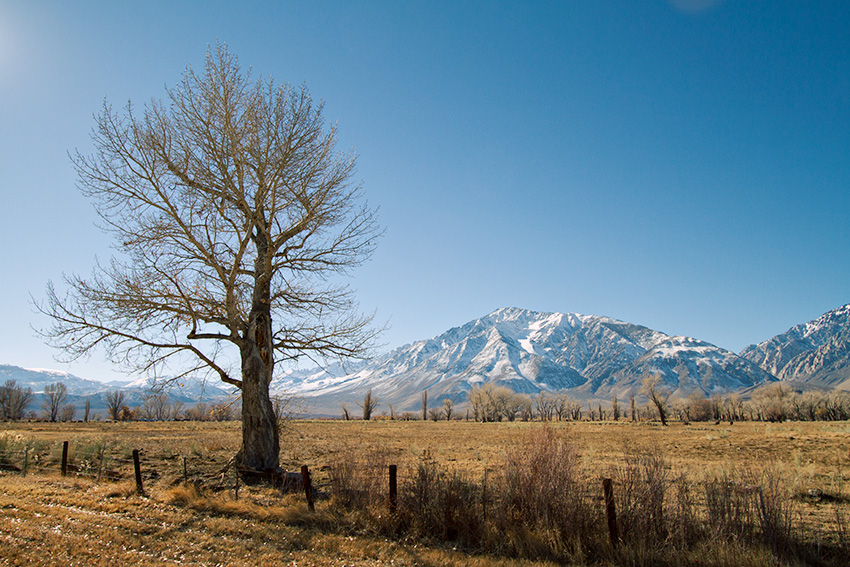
[157, 406]
[489, 403]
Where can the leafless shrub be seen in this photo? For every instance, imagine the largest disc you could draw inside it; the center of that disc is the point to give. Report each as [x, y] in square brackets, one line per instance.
[440, 505]
[729, 503]
[775, 510]
[358, 478]
[643, 482]
[543, 488]
[841, 522]
[685, 525]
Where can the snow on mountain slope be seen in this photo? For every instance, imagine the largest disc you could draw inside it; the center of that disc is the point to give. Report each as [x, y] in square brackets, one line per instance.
[530, 352]
[187, 389]
[687, 365]
[817, 352]
[38, 378]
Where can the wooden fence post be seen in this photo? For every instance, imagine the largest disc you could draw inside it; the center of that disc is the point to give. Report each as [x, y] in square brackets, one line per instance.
[64, 458]
[138, 470]
[393, 488]
[26, 460]
[610, 511]
[308, 486]
[185, 473]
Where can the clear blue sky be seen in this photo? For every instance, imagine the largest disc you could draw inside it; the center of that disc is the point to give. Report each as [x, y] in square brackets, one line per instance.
[680, 164]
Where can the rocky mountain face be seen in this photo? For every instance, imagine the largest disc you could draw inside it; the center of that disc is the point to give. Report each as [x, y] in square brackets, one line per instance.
[526, 351]
[817, 352]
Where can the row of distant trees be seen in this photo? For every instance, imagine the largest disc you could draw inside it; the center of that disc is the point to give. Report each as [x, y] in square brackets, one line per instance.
[157, 406]
[489, 403]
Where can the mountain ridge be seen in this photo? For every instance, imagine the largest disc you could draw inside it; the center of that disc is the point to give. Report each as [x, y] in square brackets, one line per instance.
[590, 357]
[814, 352]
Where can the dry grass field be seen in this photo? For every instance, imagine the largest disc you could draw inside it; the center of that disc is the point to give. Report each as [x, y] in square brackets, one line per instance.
[47, 519]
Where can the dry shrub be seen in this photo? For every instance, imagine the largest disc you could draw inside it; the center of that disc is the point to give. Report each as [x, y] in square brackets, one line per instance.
[642, 482]
[775, 507]
[544, 499]
[739, 503]
[729, 503]
[439, 505]
[358, 478]
[842, 523]
[543, 503]
[684, 524]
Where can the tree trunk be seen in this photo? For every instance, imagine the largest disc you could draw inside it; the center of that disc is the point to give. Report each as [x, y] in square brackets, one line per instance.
[260, 437]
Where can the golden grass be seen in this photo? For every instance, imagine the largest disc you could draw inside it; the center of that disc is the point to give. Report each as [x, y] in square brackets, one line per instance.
[49, 520]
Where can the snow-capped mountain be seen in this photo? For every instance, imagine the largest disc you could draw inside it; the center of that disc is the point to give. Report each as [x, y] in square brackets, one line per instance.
[529, 352]
[817, 352]
[589, 357]
[37, 379]
[188, 390]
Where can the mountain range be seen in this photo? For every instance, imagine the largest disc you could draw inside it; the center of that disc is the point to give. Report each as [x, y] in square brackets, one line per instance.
[590, 357]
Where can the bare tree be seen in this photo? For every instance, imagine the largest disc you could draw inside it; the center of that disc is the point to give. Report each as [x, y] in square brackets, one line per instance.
[653, 388]
[198, 412]
[346, 413]
[448, 408]
[68, 413]
[424, 405]
[87, 410]
[176, 409]
[54, 398]
[155, 407]
[114, 403]
[287, 407]
[494, 403]
[545, 403]
[369, 404]
[234, 216]
[14, 400]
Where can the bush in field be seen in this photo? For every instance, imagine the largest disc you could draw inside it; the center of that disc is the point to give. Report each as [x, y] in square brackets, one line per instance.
[14, 400]
[440, 505]
[544, 489]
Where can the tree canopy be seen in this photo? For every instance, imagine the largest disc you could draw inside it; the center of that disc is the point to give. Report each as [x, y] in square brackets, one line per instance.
[232, 212]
